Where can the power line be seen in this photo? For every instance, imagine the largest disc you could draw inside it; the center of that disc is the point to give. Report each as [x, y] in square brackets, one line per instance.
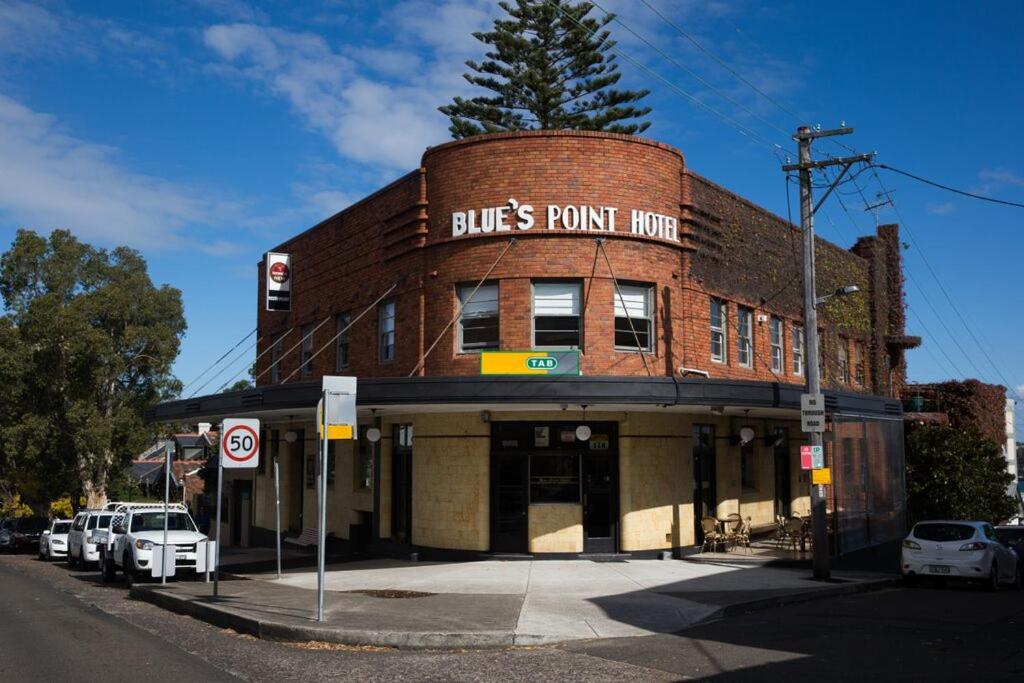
[951, 189]
[949, 299]
[740, 128]
[720, 61]
[214, 364]
[693, 75]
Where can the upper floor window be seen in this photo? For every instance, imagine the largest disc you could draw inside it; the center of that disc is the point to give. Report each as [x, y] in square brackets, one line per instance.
[859, 361]
[341, 343]
[386, 331]
[778, 359]
[745, 339]
[798, 350]
[719, 320]
[557, 321]
[275, 359]
[307, 350]
[843, 359]
[478, 326]
[633, 305]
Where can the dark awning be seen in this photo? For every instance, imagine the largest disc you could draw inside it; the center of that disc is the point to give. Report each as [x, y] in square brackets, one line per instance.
[554, 391]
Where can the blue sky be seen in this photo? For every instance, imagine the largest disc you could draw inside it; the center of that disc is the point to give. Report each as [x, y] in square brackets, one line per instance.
[204, 133]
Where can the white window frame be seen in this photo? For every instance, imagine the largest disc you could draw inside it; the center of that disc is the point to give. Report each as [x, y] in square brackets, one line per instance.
[721, 330]
[489, 293]
[843, 361]
[386, 337]
[306, 351]
[799, 350]
[342, 342]
[745, 314]
[640, 319]
[777, 338]
[860, 371]
[576, 311]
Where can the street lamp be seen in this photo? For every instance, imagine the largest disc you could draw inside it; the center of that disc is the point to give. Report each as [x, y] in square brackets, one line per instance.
[184, 480]
[842, 291]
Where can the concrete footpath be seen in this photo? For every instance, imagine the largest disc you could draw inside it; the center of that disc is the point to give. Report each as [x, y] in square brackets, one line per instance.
[495, 603]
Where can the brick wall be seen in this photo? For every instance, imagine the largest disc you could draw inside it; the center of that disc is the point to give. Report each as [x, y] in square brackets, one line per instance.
[727, 247]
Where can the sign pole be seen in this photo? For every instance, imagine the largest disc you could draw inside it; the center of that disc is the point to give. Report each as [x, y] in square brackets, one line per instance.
[216, 549]
[167, 493]
[277, 505]
[322, 512]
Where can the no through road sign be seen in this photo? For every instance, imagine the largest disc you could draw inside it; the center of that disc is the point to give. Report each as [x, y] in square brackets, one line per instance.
[240, 443]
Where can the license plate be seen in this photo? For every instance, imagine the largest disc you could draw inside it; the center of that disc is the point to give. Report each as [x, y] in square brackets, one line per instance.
[939, 569]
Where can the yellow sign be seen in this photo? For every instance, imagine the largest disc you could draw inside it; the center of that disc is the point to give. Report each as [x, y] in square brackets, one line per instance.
[822, 476]
[334, 432]
[530, 363]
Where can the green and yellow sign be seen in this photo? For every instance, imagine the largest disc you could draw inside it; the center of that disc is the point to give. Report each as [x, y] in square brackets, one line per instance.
[530, 363]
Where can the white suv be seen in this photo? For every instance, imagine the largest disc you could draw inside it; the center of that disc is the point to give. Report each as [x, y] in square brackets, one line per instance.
[136, 529]
[82, 551]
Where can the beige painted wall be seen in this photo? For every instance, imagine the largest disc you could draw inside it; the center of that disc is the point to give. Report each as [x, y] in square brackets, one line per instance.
[450, 480]
[555, 528]
[655, 482]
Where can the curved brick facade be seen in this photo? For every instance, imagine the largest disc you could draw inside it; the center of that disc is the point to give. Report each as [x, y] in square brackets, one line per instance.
[707, 243]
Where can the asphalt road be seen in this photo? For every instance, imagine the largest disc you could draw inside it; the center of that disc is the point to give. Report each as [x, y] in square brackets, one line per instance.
[57, 624]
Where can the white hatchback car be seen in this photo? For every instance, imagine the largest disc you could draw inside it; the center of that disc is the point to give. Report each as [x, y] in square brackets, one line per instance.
[54, 541]
[958, 550]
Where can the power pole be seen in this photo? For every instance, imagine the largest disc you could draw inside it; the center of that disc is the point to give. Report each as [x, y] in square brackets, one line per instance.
[804, 136]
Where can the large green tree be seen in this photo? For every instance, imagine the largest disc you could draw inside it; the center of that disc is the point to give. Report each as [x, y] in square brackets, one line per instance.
[956, 474]
[548, 67]
[94, 341]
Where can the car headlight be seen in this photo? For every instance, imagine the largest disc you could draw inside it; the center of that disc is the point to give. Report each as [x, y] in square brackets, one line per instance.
[913, 545]
[144, 545]
[56, 541]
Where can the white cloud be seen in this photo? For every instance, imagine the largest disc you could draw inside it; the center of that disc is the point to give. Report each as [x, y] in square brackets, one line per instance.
[994, 179]
[940, 209]
[371, 121]
[51, 179]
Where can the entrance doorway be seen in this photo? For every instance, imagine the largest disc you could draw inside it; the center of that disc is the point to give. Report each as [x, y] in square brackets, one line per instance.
[598, 503]
[705, 498]
[296, 481]
[545, 464]
[401, 484]
[510, 506]
[780, 453]
[241, 513]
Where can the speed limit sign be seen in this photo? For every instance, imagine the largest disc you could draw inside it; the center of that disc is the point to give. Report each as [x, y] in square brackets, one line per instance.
[240, 442]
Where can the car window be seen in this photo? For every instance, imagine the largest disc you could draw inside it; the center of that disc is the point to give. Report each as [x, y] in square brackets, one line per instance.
[92, 522]
[943, 532]
[79, 522]
[990, 534]
[1010, 536]
[104, 522]
[61, 527]
[154, 521]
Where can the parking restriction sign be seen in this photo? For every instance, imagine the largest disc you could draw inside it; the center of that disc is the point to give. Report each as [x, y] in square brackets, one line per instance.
[240, 443]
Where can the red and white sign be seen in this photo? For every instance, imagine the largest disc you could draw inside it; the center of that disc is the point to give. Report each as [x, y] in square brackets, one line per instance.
[240, 443]
[805, 457]
[279, 282]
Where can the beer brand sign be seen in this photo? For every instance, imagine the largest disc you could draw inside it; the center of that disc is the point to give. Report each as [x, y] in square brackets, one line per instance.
[514, 216]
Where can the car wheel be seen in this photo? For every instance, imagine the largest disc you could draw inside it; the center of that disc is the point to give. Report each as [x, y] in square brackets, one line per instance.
[109, 571]
[129, 572]
[71, 559]
[993, 577]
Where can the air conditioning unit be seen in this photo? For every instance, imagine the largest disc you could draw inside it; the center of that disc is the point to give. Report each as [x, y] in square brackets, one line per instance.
[761, 318]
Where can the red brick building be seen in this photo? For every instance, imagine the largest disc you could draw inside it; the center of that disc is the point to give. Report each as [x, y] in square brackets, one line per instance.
[683, 300]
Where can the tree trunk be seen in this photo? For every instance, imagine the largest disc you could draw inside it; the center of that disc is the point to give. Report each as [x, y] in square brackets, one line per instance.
[95, 493]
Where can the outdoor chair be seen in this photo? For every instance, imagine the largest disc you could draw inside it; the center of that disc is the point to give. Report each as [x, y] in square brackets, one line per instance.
[308, 538]
[712, 536]
[795, 530]
[739, 531]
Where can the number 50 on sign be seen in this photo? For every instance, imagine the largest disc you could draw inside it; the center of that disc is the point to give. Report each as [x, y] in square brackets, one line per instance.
[240, 443]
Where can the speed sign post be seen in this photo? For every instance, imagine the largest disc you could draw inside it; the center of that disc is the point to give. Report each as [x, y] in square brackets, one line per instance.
[239, 449]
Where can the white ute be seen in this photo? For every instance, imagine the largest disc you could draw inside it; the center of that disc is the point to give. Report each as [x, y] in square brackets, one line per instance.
[137, 528]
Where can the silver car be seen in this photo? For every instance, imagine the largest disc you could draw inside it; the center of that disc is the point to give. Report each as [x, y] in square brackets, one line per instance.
[958, 549]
